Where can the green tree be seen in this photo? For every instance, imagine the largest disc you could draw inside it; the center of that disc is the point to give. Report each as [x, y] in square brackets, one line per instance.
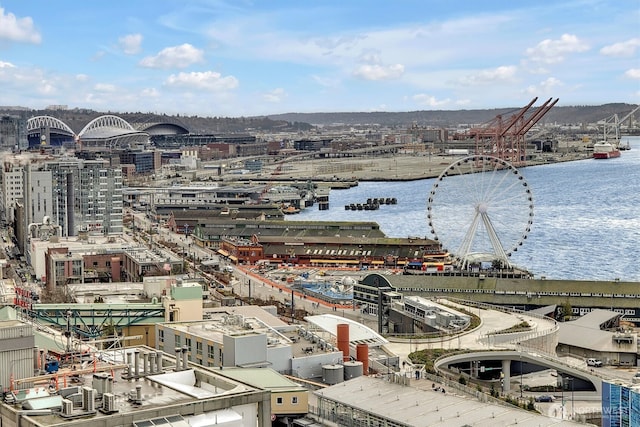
[567, 311]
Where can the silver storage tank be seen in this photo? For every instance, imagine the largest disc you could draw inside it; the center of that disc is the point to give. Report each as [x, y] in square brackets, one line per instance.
[352, 369]
[332, 374]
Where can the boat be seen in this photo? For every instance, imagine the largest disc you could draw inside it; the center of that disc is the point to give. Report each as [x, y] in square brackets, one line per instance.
[624, 147]
[605, 150]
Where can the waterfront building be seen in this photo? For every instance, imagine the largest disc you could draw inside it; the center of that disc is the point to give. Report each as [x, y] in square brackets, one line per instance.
[317, 243]
[599, 334]
[505, 287]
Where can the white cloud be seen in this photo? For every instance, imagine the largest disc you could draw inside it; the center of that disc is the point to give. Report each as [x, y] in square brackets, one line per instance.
[326, 81]
[82, 77]
[150, 92]
[276, 95]
[428, 100]
[379, 72]
[131, 43]
[499, 74]
[633, 73]
[207, 80]
[625, 49]
[553, 51]
[104, 87]
[46, 88]
[6, 65]
[17, 29]
[174, 57]
[545, 86]
[370, 58]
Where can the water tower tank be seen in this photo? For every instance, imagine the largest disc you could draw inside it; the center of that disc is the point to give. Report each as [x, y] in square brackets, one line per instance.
[352, 369]
[332, 374]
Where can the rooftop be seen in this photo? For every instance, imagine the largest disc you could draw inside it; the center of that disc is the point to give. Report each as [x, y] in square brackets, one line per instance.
[411, 406]
[119, 392]
[358, 333]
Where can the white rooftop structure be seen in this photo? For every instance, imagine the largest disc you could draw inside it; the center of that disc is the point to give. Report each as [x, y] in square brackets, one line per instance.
[358, 333]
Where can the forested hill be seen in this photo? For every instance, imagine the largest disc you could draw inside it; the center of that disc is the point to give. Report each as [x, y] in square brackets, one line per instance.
[561, 115]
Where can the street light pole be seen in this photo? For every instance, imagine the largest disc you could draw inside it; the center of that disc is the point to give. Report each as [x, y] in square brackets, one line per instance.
[573, 411]
[562, 397]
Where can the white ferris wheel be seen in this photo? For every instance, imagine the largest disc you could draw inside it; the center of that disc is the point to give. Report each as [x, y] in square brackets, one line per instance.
[481, 210]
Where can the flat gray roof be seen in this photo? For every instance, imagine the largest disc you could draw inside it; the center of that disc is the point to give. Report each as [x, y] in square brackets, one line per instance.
[414, 407]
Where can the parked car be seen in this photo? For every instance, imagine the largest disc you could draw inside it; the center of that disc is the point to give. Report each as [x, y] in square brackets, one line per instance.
[545, 398]
[596, 363]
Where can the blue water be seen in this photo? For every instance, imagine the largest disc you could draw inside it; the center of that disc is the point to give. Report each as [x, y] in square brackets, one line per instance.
[586, 224]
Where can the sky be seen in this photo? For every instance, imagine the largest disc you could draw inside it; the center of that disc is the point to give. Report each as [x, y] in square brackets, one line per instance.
[239, 58]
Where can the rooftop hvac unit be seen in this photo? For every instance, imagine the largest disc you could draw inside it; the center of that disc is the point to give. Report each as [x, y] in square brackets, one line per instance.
[88, 402]
[109, 403]
[67, 407]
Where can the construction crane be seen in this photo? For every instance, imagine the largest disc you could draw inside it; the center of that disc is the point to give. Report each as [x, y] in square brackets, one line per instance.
[505, 138]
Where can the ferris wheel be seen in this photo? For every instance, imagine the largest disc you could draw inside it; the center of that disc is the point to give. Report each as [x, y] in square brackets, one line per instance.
[481, 210]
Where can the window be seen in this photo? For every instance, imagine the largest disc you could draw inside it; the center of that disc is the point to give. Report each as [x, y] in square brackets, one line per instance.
[188, 343]
[161, 335]
[178, 341]
[199, 348]
[294, 400]
[278, 401]
[211, 354]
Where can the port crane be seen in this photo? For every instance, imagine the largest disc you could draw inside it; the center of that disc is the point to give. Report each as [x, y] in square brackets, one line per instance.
[504, 138]
[612, 124]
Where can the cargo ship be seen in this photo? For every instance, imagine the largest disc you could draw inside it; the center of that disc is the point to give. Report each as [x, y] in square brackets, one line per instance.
[605, 150]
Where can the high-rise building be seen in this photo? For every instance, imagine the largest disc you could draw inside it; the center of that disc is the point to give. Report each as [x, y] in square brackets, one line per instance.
[620, 404]
[88, 194]
[78, 195]
[13, 133]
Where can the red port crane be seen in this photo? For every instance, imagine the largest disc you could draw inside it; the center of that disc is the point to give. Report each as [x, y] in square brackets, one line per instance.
[505, 137]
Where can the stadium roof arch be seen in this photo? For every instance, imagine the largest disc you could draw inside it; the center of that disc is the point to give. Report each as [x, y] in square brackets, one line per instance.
[40, 122]
[154, 124]
[111, 131]
[165, 129]
[47, 130]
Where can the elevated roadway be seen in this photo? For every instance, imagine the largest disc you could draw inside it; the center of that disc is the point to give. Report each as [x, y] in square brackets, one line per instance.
[512, 359]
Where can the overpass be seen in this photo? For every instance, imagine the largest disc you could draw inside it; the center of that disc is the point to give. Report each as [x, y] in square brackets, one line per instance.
[510, 361]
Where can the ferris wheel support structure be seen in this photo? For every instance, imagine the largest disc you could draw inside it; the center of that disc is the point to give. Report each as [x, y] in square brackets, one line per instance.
[465, 248]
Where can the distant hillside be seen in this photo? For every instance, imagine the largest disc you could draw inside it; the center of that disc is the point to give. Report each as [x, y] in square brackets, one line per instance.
[300, 122]
[563, 115]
